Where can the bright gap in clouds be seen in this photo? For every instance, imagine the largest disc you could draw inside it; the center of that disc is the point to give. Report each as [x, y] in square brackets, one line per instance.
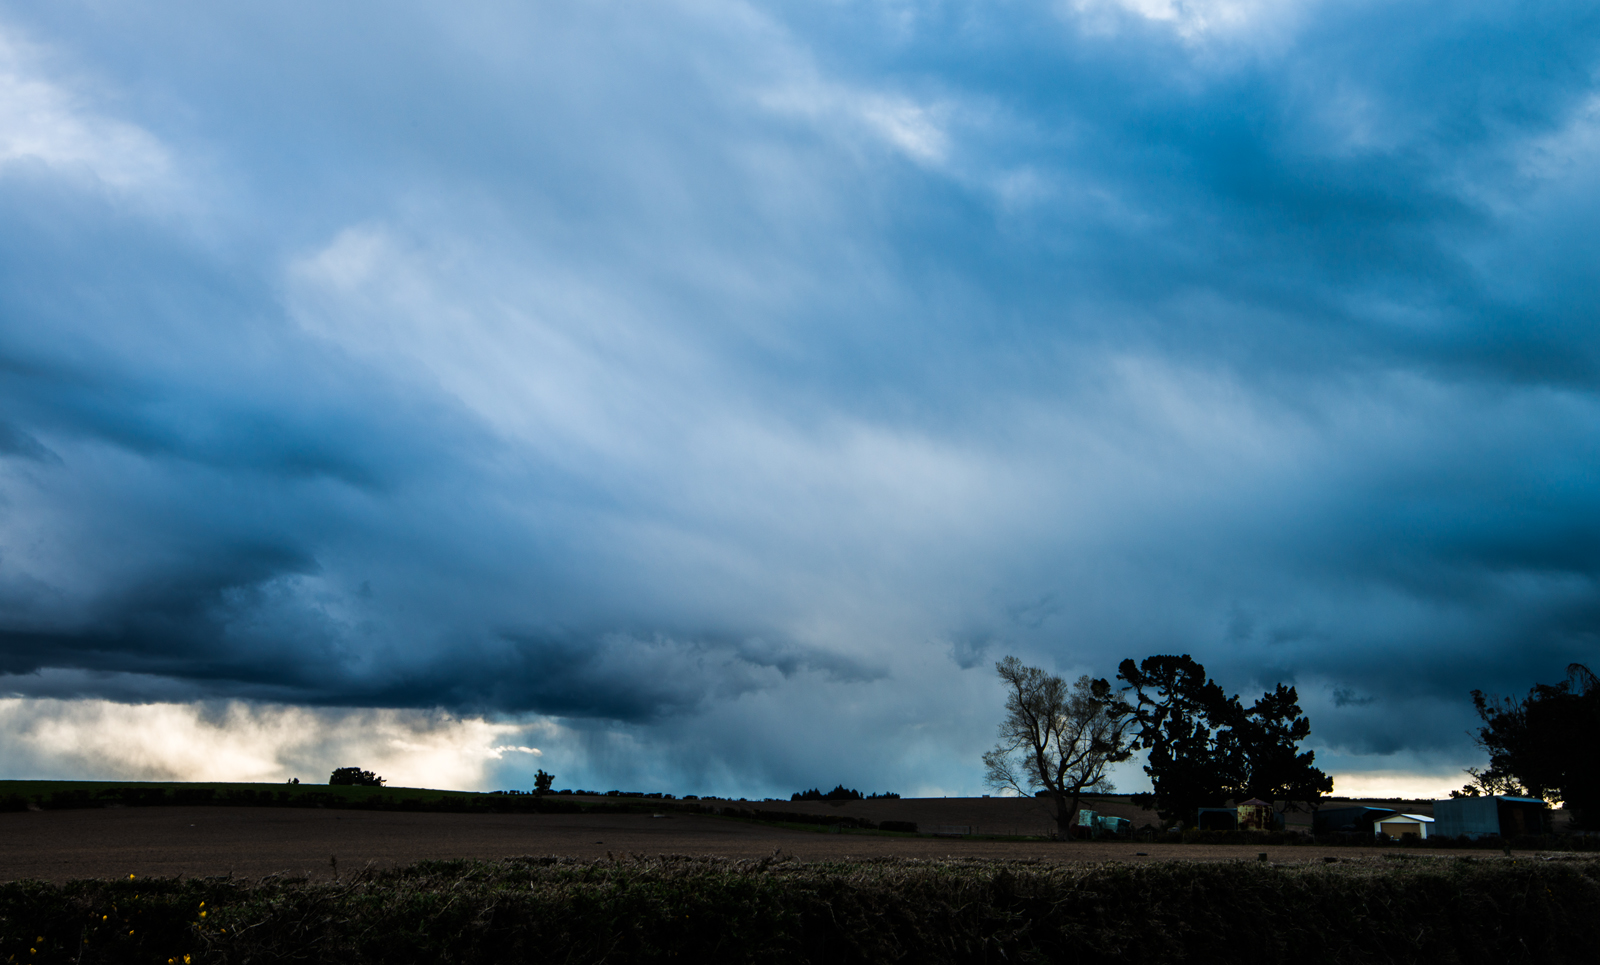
[1388, 785]
[49, 739]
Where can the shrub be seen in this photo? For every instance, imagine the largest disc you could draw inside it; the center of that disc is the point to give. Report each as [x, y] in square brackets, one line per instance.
[354, 776]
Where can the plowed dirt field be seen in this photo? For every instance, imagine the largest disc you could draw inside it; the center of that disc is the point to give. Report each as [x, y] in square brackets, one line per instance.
[198, 841]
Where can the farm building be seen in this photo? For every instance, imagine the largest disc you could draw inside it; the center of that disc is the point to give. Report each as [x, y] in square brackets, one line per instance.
[1256, 815]
[1397, 825]
[1352, 820]
[1486, 817]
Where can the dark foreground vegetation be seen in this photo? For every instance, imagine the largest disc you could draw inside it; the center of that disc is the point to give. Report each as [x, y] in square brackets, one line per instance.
[1443, 910]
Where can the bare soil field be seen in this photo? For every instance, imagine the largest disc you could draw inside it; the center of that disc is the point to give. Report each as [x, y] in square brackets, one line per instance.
[200, 841]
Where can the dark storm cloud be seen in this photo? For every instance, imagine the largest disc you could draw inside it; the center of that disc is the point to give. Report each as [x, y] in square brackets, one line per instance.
[694, 367]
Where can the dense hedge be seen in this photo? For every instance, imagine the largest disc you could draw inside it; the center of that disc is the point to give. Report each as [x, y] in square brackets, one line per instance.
[1443, 910]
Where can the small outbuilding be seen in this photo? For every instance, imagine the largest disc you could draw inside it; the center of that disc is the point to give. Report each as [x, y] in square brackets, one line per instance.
[1256, 815]
[1398, 825]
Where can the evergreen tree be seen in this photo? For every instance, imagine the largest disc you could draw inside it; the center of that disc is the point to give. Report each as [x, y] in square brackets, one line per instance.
[1206, 748]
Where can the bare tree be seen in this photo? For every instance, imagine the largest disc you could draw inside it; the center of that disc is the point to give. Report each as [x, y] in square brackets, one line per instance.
[1057, 739]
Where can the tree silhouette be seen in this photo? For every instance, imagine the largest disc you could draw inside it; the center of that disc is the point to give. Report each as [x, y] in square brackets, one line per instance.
[354, 775]
[1207, 748]
[1186, 722]
[1546, 745]
[1056, 739]
[1275, 769]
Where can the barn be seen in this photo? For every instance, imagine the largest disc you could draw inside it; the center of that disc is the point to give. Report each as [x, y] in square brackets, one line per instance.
[1488, 817]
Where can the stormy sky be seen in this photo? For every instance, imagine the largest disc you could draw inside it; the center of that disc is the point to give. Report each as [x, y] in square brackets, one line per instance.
[701, 395]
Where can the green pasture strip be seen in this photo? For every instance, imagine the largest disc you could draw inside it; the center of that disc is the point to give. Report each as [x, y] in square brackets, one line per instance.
[60, 795]
[39, 788]
[704, 910]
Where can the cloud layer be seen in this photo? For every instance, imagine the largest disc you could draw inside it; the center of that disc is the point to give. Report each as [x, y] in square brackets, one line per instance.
[728, 385]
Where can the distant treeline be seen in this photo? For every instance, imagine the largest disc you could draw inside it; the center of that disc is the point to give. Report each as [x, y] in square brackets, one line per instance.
[720, 911]
[841, 793]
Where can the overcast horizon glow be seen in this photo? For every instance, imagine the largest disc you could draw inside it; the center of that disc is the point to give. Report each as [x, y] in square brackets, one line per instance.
[705, 394]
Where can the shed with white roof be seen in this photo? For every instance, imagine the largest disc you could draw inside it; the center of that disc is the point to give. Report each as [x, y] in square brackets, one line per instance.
[1396, 825]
